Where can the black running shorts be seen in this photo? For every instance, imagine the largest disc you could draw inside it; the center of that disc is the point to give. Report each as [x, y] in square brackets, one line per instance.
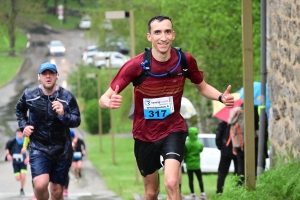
[148, 154]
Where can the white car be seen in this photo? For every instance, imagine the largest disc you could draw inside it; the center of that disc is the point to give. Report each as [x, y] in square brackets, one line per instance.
[56, 47]
[85, 23]
[88, 54]
[104, 59]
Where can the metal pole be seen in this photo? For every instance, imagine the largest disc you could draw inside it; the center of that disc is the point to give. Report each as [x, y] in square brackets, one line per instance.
[248, 89]
[99, 110]
[262, 112]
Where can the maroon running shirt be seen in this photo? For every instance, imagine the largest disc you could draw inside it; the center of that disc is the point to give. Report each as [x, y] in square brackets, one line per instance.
[154, 87]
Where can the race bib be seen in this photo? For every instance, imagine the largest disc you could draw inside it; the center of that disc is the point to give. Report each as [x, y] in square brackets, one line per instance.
[77, 155]
[18, 157]
[158, 108]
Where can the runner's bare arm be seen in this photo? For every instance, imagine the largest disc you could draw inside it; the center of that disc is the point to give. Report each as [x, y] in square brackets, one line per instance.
[111, 99]
[212, 93]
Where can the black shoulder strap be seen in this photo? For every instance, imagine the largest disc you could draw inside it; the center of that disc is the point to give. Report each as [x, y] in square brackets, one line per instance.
[148, 57]
[143, 75]
[183, 62]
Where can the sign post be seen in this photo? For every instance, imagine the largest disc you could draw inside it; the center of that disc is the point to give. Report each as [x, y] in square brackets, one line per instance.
[60, 12]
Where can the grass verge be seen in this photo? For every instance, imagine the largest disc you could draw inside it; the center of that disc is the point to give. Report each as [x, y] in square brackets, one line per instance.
[9, 67]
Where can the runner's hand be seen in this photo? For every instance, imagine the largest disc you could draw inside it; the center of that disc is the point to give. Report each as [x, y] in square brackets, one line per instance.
[58, 107]
[28, 130]
[8, 157]
[26, 161]
[116, 99]
[227, 98]
[23, 150]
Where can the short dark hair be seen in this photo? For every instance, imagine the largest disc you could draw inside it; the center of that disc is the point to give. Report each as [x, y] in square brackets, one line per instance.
[158, 18]
[18, 130]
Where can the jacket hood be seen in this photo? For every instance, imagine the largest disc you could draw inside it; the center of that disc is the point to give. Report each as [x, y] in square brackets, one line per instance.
[193, 134]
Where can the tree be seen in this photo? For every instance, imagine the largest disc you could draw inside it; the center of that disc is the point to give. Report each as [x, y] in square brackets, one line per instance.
[10, 10]
[11, 16]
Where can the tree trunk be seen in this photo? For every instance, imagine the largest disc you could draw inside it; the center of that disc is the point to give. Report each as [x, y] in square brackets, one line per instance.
[11, 27]
[55, 7]
[65, 12]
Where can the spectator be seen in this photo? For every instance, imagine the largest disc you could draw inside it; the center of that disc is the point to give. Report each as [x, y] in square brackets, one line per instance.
[236, 117]
[222, 135]
[193, 148]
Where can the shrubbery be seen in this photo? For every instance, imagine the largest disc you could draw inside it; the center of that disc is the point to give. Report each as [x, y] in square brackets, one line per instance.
[91, 117]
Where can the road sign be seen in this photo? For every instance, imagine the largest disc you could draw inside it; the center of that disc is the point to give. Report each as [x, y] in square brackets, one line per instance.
[116, 14]
[60, 12]
[91, 75]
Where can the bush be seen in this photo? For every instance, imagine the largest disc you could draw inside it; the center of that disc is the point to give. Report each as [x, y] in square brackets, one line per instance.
[91, 117]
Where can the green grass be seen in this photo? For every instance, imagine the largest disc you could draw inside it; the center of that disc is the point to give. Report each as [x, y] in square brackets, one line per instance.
[20, 43]
[9, 68]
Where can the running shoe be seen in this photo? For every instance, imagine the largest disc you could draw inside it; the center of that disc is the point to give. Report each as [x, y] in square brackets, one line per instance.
[22, 192]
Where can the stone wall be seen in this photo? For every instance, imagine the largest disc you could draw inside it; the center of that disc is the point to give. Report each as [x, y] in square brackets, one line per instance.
[283, 66]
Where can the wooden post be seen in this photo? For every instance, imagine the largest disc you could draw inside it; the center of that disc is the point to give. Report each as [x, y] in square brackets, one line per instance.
[249, 131]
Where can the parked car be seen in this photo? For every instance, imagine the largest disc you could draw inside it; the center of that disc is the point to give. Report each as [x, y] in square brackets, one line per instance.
[119, 47]
[88, 54]
[103, 59]
[56, 47]
[85, 22]
[119, 44]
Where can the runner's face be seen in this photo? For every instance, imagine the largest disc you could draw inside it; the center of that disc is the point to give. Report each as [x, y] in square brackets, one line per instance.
[19, 134]
[48, 79]
[161, 35]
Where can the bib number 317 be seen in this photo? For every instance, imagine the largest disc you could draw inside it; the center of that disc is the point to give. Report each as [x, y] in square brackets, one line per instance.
[158, 108]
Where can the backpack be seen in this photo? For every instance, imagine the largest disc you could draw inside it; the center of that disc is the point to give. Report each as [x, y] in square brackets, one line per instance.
[236, 135]
[147, 67]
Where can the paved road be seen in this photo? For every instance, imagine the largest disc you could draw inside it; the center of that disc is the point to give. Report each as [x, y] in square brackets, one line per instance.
[91, 186]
